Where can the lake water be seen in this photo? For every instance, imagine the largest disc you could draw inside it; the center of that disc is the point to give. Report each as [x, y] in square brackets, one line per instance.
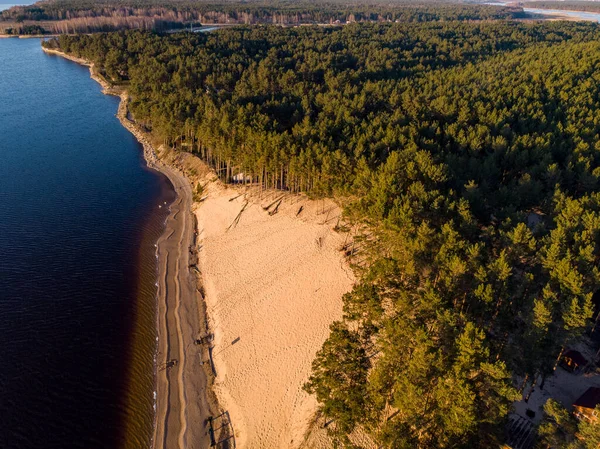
[555, 13]
[79, 216]
[577, 15]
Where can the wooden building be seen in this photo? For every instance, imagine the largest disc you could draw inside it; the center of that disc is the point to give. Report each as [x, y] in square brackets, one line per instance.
[585, 406]
[573, 361]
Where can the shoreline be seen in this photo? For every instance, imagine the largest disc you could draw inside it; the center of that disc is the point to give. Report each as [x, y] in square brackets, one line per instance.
[180, 373]
[560, 14]
[242, 274]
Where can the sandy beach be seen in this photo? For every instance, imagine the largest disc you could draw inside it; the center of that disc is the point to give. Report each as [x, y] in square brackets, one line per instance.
[183, 405]
[273, 277]
[274, 283]
[184, 401]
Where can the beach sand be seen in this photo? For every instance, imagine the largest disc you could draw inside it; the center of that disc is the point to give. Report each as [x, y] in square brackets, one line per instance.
[182, 385]
[184, 400]
[273, 285]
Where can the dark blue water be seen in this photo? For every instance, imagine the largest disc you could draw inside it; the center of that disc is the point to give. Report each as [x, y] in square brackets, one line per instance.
[78, 220]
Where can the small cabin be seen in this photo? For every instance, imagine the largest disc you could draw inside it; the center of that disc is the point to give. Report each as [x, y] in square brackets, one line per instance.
[573, 361]
[585, 406]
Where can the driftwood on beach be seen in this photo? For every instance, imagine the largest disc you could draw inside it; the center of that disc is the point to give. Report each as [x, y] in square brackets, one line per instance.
[235, 222]
[273, 203]
[276, 208]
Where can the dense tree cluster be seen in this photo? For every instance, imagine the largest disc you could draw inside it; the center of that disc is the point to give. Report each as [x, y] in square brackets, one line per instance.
[25, 30]
[70, 16]
[468, 156]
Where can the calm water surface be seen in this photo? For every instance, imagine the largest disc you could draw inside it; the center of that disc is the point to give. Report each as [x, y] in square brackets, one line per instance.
[577, 15]
[79, 217]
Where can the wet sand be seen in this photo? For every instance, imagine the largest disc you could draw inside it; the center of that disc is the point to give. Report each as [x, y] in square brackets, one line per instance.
[182, 396]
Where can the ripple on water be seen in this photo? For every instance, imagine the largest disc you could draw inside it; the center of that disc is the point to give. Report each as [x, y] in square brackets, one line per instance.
[77, 261]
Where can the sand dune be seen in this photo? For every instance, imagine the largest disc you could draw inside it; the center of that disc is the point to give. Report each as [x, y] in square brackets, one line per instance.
[273, 286]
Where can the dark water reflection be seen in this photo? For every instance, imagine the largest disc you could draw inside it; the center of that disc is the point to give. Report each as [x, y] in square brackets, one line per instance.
[79, 217]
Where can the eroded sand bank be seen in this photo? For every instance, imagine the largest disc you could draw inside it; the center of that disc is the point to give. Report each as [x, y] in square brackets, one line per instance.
[273, 285]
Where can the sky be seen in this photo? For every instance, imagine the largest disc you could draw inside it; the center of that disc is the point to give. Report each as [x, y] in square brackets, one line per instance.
[5, 4]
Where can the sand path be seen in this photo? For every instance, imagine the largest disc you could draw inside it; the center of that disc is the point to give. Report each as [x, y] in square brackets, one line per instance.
[181, 405]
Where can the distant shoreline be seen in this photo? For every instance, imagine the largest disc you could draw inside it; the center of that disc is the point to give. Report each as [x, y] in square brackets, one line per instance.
[535, 14]
[561, 14]
[177, 290]
[26, 36]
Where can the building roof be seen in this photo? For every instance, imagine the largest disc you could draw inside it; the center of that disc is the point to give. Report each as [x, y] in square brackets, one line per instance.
[589, 399]
[520, 433]
[576, 357]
